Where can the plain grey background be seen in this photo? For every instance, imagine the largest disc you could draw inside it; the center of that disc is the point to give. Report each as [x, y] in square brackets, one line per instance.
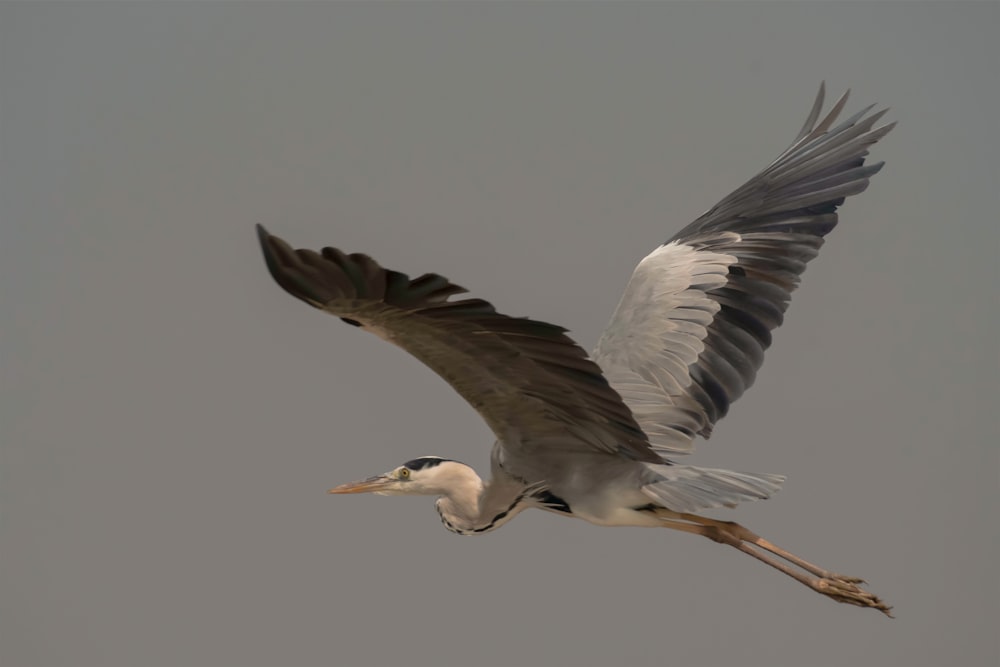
[171, 419]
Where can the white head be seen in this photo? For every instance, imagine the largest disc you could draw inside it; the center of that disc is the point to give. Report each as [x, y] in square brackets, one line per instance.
[424, 476]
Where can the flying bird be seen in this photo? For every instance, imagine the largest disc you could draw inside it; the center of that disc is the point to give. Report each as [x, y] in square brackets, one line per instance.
[596, 436]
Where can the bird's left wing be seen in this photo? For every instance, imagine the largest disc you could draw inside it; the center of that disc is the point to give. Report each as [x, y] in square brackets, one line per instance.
[531, 383]
[690, 331]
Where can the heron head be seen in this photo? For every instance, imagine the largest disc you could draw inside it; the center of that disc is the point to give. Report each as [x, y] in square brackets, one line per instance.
[425, 476]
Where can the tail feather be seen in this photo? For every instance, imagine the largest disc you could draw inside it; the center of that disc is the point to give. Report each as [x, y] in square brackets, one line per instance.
[690, 489]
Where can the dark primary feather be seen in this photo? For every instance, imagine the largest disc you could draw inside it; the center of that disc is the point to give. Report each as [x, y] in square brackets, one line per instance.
[781, 216]
[530, 381]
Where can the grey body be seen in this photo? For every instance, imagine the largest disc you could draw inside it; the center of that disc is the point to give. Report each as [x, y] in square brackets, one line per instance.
[594, 436]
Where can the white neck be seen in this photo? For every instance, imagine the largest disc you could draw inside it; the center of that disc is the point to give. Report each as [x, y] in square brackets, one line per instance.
[470, 507]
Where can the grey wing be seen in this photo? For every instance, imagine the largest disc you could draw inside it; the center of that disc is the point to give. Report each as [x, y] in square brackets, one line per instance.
[690, 331]
[531, 383]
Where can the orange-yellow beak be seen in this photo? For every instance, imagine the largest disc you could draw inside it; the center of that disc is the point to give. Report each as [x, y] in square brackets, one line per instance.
[370, 485]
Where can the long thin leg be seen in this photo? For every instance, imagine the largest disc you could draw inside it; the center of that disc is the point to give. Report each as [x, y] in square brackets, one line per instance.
[746, 535]
[833, 585]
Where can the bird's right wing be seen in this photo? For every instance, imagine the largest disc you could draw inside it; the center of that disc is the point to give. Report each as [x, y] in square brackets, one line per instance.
[532, 384]
[690, 331]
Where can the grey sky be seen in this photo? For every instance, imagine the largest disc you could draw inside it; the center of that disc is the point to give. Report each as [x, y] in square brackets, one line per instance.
[170, 419]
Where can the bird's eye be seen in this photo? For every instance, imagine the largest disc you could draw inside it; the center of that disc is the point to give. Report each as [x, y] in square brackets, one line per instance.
[404, 473]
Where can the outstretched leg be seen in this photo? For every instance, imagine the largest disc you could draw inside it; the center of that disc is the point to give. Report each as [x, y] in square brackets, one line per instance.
[837, 586]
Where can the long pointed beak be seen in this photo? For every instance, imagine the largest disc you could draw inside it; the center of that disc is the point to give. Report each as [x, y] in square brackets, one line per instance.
[370, 485]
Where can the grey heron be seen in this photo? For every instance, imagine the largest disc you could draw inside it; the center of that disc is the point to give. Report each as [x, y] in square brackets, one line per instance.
[595, 436]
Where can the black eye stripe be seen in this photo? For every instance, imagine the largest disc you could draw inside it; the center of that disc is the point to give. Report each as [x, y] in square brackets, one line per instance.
[424, 462]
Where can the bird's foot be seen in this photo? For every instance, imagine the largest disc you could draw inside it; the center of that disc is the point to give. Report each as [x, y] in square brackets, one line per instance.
[846, 590]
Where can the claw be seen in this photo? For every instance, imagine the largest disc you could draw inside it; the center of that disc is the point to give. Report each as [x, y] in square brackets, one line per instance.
[845, 589]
